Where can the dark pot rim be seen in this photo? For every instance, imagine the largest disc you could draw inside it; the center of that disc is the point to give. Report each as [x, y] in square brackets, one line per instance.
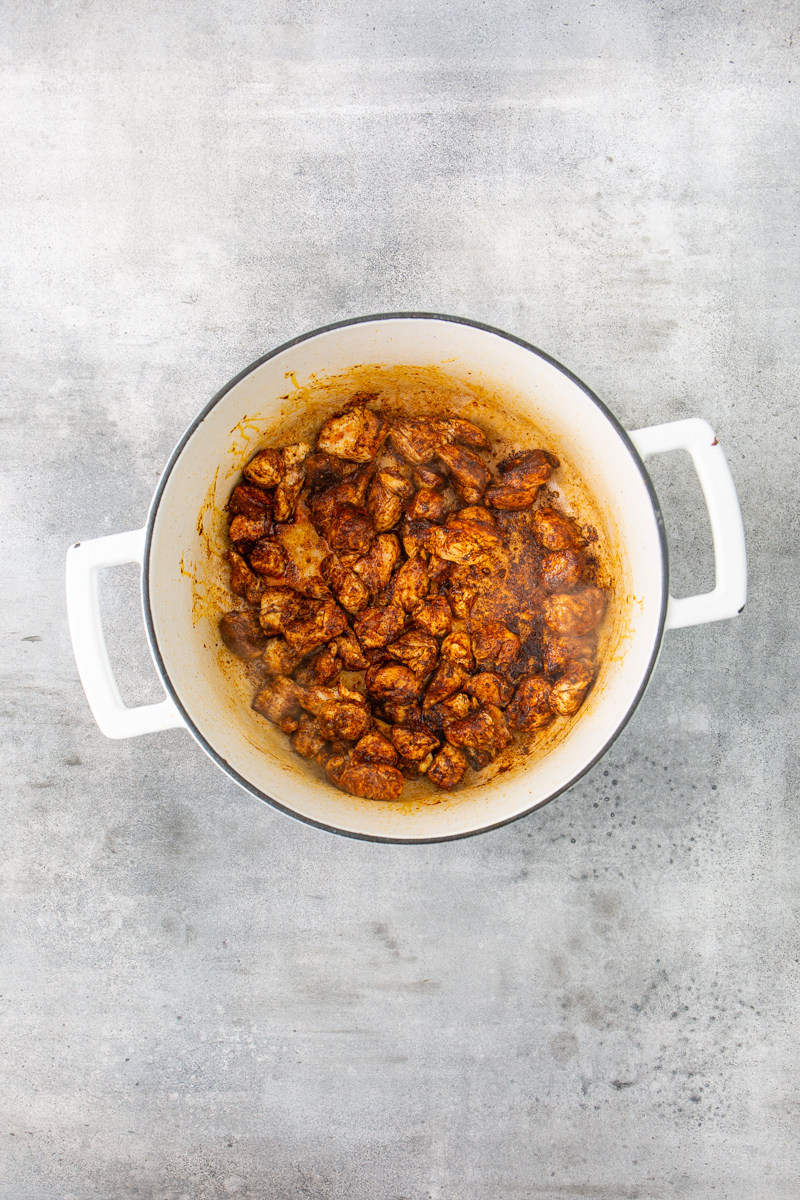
[148, 617]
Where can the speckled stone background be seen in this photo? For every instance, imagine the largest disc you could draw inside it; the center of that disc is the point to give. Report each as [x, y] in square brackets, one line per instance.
[202, 998]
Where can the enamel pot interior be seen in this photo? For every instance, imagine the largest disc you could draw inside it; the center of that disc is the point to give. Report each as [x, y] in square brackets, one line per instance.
[513, 391]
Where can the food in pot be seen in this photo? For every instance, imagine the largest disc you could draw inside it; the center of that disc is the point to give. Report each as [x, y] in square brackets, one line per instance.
[451, 612]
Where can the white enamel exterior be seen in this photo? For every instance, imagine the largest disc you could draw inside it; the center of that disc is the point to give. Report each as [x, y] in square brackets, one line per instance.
[533, 393]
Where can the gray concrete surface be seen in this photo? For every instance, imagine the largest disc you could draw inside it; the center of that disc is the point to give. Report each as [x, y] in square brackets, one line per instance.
[199, 996]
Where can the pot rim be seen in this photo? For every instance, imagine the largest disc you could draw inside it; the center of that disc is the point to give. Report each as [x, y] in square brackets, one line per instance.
[173, 459]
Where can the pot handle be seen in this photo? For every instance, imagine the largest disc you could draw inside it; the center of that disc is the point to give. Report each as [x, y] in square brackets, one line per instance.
[85, 560]
[730, 556]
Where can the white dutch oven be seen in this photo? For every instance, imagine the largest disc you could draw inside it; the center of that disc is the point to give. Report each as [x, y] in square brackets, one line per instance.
[535, 396]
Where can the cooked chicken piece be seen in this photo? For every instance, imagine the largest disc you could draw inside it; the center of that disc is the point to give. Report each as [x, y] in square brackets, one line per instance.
[344, 719]
[448, 678]
[291, 484]
[468, 471]
[385, 499]
[559, 651]
[323, 626]
[502, 737]
[402, 712]
[349, 590]
[438, 571]
[521, 476]
[350, 529]
[454, 708]
[415, 438]
[461, 541]
[430, 476]
[567, 693]
[562, 570]
[378, 626]
[434, 617]
[324, 471]
[280, 606]
[278, 657]
[370, 781]
[457, 648]
[476, 512]
[476, 731]
[243, 579]
[374, 747]
[415, 536]
[411, 585]
[392, 683]
[323, 504]
[313, 587]
[350, 653]
[495, 646]
[266, 469]
[244, 531]
[250, 502]
[426, 505]
[314, 696]
[308, 740]
[417, 650]
[268, 558]
[555, 531]
[477, 759]
[461, 589]
[577, 613]
[356, 435]
[277, 701]
[414, 744]
[454, 429]
[490, 688]
[530, 708]
[448, 768]
[241, 633]
[326, 665]
[375, 568]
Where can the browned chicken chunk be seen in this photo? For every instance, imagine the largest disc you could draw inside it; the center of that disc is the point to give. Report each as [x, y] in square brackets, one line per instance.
[370, 781]
[457, 648]
[555, 531]
[476, 731]
[430, 476]
[426, 505]
[350, 652]
[412, 743]
[278, 657]
[520, 479]
[454, 708]
[375, 568]
[326, 623]
[411, 585]
[392, 683]
[291, 482]
[468, 471]
[374, 747]
[324, 503]
[559, 651]
[415, 535]
[562, 570]
[454, 429]
[448, 678]
[415, 438]
[490, 688]
[356, 435]
[502, 737]
[567, 693]
[277, 701]
[244, 582]
[266, 469]
[417, 650]
[344, 719]
[350, 529]
[378, 626]
[307, 740]
[349, 590]
[241, 633]
[434, 617]
[495, 646]
[461, 541]
[530, 709]
[326, 665]
[246, 530]
[250, 502]
[448, 768]
[386, 497]
[280, 606]
[575, 613]
[268, 558]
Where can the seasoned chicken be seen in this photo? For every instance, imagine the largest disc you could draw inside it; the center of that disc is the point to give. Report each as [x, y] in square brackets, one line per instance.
[350, 653]
[476, 731]
[378, 626]
[266, 469]
[461, 541]
[502, 737]
[244, 531]
[454, 708]
[490, 688]
[576, 613]
[555, 531]
[568, 692]
[268, 558]
[430, 476]
[344, 719]
[324, 471]
[521, 476]
[277, 701]
[530, 709]
[307, 740]
[278, 657]
[280, 606]
[374, 747]
[251, 502]
[370, 781]
[457, 648]
[356, 435]
[454, 429]
[349, 590]
[417, 650]
[392, 683]
[241, 633]
[414, 535]
[411, 585]
[426, 505]
[562, 570]
[375, 568]
[495, 646]
[327, 622]
[324, 503]
[414, 743]
[448, 768]
[350, 529]
[325, 664]
[559, 652]
[434, 617]
[469, 473]
[245, 582]
[291, 482]
[415, 438]
[448, 678]
[386, 497]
